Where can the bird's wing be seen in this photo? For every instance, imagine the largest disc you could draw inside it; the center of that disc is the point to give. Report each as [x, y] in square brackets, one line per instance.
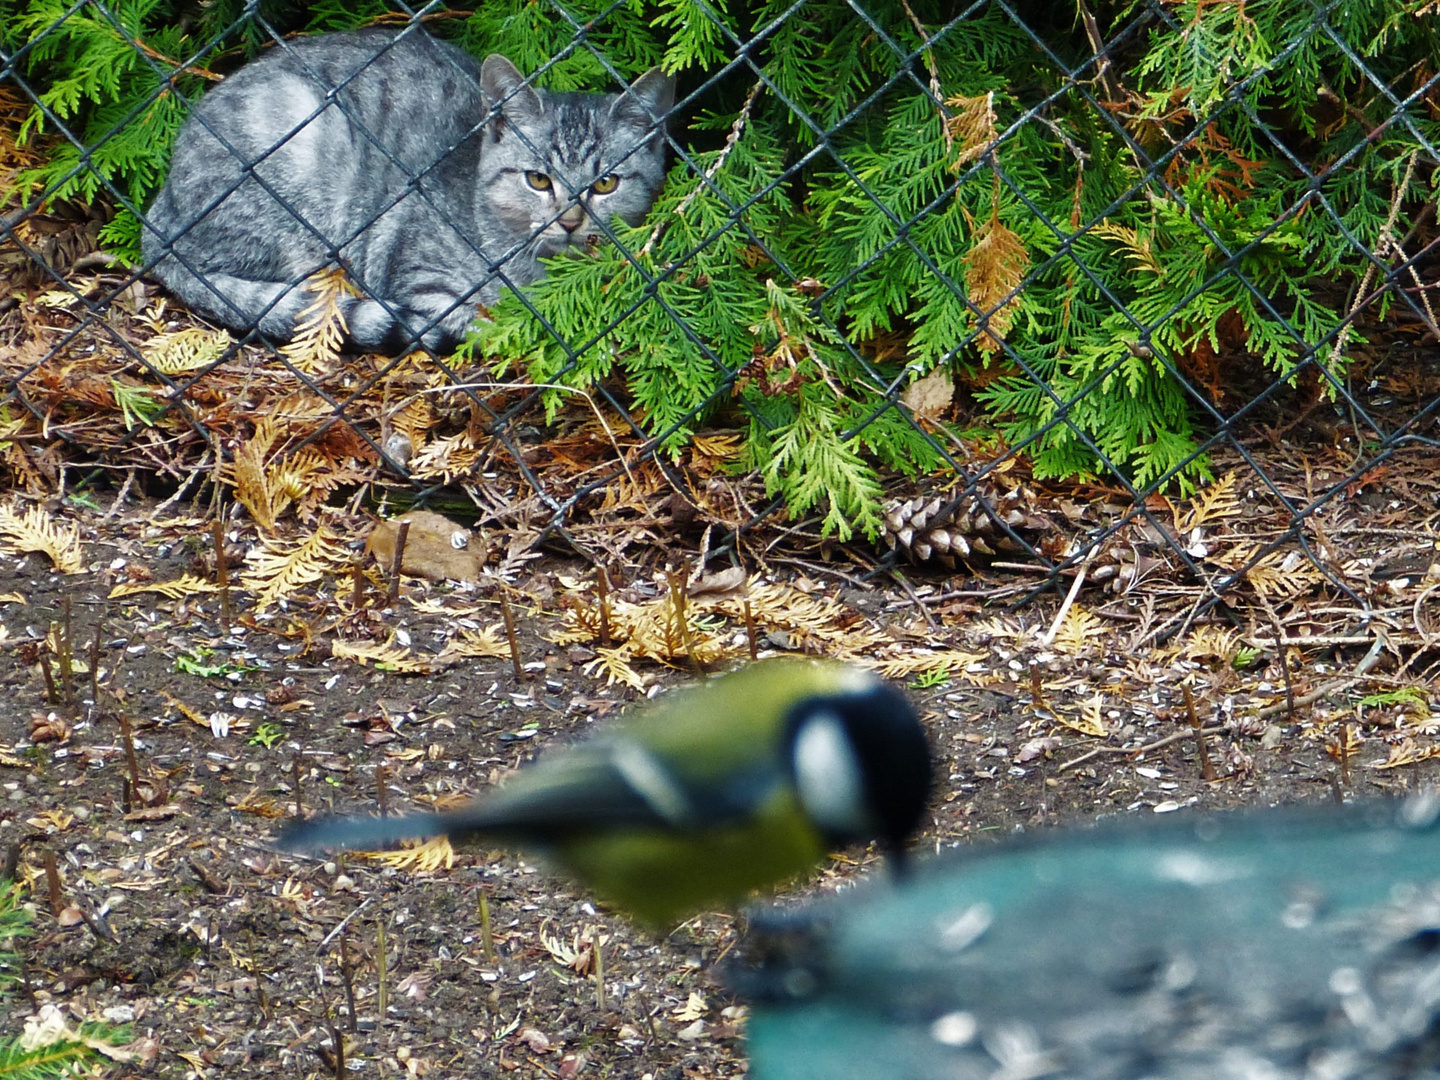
[601, 786]
[698, 758]
[605, 785]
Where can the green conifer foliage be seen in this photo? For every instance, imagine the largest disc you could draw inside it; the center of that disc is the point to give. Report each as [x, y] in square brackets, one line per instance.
[870, 191]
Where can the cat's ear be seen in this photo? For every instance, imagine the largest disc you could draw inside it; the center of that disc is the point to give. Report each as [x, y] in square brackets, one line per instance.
[647, 101]
[505, 89]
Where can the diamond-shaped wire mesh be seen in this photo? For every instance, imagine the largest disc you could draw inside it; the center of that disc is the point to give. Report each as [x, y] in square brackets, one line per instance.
[1117, 293]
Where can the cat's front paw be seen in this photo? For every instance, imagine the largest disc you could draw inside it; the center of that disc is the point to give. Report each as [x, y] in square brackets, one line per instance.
[378, 327]
[372, 326]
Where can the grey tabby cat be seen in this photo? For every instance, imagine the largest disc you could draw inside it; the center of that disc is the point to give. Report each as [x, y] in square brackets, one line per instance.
[436, 179]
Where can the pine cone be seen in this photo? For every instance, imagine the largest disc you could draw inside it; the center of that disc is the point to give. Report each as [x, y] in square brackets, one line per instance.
[1122, 564]
[932, 529]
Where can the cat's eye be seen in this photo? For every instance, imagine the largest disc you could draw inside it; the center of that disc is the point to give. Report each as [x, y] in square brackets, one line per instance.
[606, 184]
[539, 181]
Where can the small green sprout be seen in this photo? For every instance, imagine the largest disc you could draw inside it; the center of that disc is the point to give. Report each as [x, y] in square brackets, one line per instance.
[196, 662]
[267, 735]
[928, 680]
[1244, 658]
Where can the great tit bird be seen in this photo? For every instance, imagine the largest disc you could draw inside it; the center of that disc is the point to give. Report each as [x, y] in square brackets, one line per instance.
[737, 784]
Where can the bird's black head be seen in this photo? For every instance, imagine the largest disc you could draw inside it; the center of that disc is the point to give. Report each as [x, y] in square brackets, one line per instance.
[860, 763]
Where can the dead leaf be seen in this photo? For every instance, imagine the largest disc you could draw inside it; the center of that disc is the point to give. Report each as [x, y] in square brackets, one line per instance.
[995, 266]
[1037, 748]
[185, 350]
[693, 1032]
[723, 581]
[434, 854]
[320, 328]
[35, 530]
[536, 1040]
[275, 569]
[415, 986]
[693, 1009]
[972, 125]
[930, 395]
[1090, 721]
[1408, 752]
[185, 585]
[389, 656]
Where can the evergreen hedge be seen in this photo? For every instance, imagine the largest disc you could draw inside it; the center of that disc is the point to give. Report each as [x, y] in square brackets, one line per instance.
[1100, 245]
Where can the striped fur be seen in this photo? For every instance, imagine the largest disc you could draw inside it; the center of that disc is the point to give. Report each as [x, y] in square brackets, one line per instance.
[408, 162]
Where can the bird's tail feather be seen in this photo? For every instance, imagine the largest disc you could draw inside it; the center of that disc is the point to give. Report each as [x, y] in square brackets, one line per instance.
[357, 833]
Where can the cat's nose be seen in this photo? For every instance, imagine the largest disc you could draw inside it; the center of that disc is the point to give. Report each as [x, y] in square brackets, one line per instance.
[571, 219]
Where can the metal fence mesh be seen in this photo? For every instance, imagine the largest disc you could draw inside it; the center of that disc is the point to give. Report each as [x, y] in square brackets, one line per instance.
[1297, 396]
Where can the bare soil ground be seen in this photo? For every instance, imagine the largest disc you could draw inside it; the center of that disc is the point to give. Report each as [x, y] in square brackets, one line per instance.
[160, 905]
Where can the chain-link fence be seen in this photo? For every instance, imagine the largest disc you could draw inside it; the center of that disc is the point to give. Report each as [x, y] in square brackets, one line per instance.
[1115, 293]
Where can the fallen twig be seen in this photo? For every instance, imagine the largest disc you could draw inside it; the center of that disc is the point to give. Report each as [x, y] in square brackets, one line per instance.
[1366, 663]
[1075, 587]
[343, 924]
[1174, 737]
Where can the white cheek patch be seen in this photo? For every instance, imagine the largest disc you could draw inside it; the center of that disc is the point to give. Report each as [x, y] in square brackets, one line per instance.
[828, 777]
